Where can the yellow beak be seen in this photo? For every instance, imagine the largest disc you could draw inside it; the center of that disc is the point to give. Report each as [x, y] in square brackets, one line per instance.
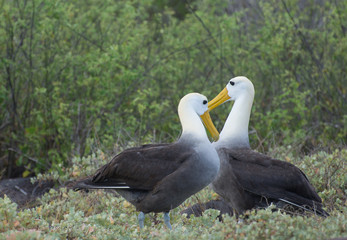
[219, 99]
[206, 119]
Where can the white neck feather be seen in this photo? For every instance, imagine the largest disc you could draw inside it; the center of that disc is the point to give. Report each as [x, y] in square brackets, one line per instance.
[191, 123]
[235, 130]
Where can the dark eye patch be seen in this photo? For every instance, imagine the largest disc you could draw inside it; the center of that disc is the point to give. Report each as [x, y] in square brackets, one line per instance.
[232, 83]
[204, 102]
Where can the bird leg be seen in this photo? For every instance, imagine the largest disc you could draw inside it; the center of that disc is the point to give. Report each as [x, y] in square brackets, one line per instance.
[141, 219]
[167, 220]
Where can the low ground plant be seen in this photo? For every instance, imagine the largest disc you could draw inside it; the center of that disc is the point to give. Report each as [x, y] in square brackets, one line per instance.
[65, 214]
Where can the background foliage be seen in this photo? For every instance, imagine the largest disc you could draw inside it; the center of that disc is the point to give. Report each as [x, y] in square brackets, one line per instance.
[78, 76]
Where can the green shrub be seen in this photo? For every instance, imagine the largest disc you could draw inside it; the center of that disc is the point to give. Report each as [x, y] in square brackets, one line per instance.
[81, 76]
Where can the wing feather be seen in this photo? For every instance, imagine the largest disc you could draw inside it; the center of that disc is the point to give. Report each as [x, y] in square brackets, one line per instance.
[270, 177]
[143, 167]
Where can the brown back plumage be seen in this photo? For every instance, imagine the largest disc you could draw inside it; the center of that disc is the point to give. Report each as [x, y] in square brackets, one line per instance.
[156, 177]
[143, 167]
[259, 176]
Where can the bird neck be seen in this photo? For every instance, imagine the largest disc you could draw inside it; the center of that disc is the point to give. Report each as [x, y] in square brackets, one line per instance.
[235, 130]
[191, 124]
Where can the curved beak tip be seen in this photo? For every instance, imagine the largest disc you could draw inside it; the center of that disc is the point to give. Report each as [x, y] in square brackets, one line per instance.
[215, 138]
[206, 118]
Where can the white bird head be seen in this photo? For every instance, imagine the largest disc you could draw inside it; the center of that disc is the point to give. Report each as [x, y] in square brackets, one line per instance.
[235, 88]
[195, 103]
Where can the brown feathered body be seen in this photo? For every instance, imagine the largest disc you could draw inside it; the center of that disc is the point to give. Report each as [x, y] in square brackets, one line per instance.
[158, 177]
[249, 179]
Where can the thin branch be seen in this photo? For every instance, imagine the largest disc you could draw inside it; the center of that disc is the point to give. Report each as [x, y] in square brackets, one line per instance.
[4, 125]
[303, 38]
[21, 190]
[28, 157]
[222, 59]
[85, 38]
[202, 22]
[343, 28]
[179, 50]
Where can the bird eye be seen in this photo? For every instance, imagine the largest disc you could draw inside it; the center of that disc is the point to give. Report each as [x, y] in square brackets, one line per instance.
[204, 102]
[232, 83]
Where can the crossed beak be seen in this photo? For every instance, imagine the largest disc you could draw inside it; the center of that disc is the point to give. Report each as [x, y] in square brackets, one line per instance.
[219, 99]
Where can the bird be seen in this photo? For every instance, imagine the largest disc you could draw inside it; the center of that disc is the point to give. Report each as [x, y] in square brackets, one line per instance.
[159, 177]
[248, 179]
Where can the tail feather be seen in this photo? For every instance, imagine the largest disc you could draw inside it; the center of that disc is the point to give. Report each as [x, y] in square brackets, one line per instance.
[297, 201]
[130, 194]
[88, 184]
[316, 209]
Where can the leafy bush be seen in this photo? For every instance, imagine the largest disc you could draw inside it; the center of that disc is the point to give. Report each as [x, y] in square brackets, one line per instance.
[326, 172]
[81, 76]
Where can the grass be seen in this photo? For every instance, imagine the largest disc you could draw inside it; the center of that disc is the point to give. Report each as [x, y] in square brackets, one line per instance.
[65, 214]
